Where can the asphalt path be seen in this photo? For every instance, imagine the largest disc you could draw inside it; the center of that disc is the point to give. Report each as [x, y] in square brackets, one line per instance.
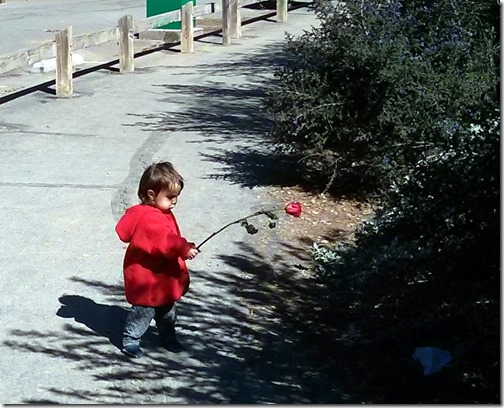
[28, 23]
[70, 166]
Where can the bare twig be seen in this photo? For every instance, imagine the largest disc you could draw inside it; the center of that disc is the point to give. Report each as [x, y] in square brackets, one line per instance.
[333, 177]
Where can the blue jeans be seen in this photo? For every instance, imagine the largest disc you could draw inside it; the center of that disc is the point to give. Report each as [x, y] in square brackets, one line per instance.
[139, 319]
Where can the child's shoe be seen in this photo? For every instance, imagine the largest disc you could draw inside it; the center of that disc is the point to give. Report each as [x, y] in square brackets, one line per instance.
[173, 345]
[133, 351]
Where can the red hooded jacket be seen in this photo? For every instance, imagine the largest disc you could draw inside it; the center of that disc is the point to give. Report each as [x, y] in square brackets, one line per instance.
[155, 273]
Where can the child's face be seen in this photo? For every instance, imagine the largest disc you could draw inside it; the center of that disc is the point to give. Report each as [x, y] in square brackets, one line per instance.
[166, 199]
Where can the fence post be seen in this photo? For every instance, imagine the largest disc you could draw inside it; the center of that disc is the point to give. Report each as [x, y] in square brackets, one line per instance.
[226, 22]
[281, 11]
[187, 34]
[126, 48]
[64, 85]
[235, 19]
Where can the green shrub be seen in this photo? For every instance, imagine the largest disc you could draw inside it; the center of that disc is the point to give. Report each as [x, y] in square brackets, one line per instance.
[378, 87]
[426, 269]
[401, 99]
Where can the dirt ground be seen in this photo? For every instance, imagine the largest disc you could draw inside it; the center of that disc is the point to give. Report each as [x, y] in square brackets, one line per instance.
[288, 298]
[324, 220]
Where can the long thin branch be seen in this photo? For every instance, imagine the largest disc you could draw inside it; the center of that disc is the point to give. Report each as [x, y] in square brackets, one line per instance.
[222, 229]
[362, 16]
[314, 108]
[333, 177]
[236, 222]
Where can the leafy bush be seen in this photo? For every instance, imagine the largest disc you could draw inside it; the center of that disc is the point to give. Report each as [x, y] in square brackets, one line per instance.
[401, 98]
[425, 269]
[377, 87]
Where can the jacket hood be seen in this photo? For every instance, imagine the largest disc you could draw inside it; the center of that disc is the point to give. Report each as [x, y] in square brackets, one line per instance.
[126, 226]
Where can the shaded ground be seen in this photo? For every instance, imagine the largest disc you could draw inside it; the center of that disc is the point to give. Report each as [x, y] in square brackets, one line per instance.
[322, 347]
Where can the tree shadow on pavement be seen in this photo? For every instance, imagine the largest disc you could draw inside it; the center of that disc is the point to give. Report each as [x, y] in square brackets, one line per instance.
[243, 345]
[103, 320]
[217, 111]
[226, 109]
[257, 330]
[313, 341]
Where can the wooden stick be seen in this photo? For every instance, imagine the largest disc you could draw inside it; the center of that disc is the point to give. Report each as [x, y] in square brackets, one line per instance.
[95, 38]
[226, 22]
[205, 9]
[235, 19]
[187, 34]
[281, 11]
[126, 48]
[27, 56]
[157, 21]
[64, 86]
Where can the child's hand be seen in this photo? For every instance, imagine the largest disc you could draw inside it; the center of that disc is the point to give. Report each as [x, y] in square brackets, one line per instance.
[191, 254]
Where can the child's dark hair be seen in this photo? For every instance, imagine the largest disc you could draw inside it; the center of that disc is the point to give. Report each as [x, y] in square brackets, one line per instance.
[159, 176]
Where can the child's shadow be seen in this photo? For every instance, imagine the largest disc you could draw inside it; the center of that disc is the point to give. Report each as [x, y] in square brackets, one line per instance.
[104, 320]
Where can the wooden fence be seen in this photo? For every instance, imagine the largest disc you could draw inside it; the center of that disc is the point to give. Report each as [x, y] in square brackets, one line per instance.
[125, 32]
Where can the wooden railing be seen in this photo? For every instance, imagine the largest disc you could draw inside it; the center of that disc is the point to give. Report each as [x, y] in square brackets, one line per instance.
[125, 32]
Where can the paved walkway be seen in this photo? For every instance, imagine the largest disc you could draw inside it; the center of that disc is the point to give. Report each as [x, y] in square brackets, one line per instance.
[69, 169]
[27, 23]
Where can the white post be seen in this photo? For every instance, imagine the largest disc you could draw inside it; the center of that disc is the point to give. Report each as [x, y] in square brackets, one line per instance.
[126, 47]
[226, 22]
[187, 34]
[281, 11]
[64, 86]
[235, 19]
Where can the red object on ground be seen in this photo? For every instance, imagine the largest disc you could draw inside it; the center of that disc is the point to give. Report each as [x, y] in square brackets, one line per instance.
[293, 209]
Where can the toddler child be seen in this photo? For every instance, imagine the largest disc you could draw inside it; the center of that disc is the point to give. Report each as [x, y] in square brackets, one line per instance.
[155, 272]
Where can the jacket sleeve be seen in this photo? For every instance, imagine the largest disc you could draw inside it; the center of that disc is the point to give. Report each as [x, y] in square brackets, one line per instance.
[123, 229]
[157, 236]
